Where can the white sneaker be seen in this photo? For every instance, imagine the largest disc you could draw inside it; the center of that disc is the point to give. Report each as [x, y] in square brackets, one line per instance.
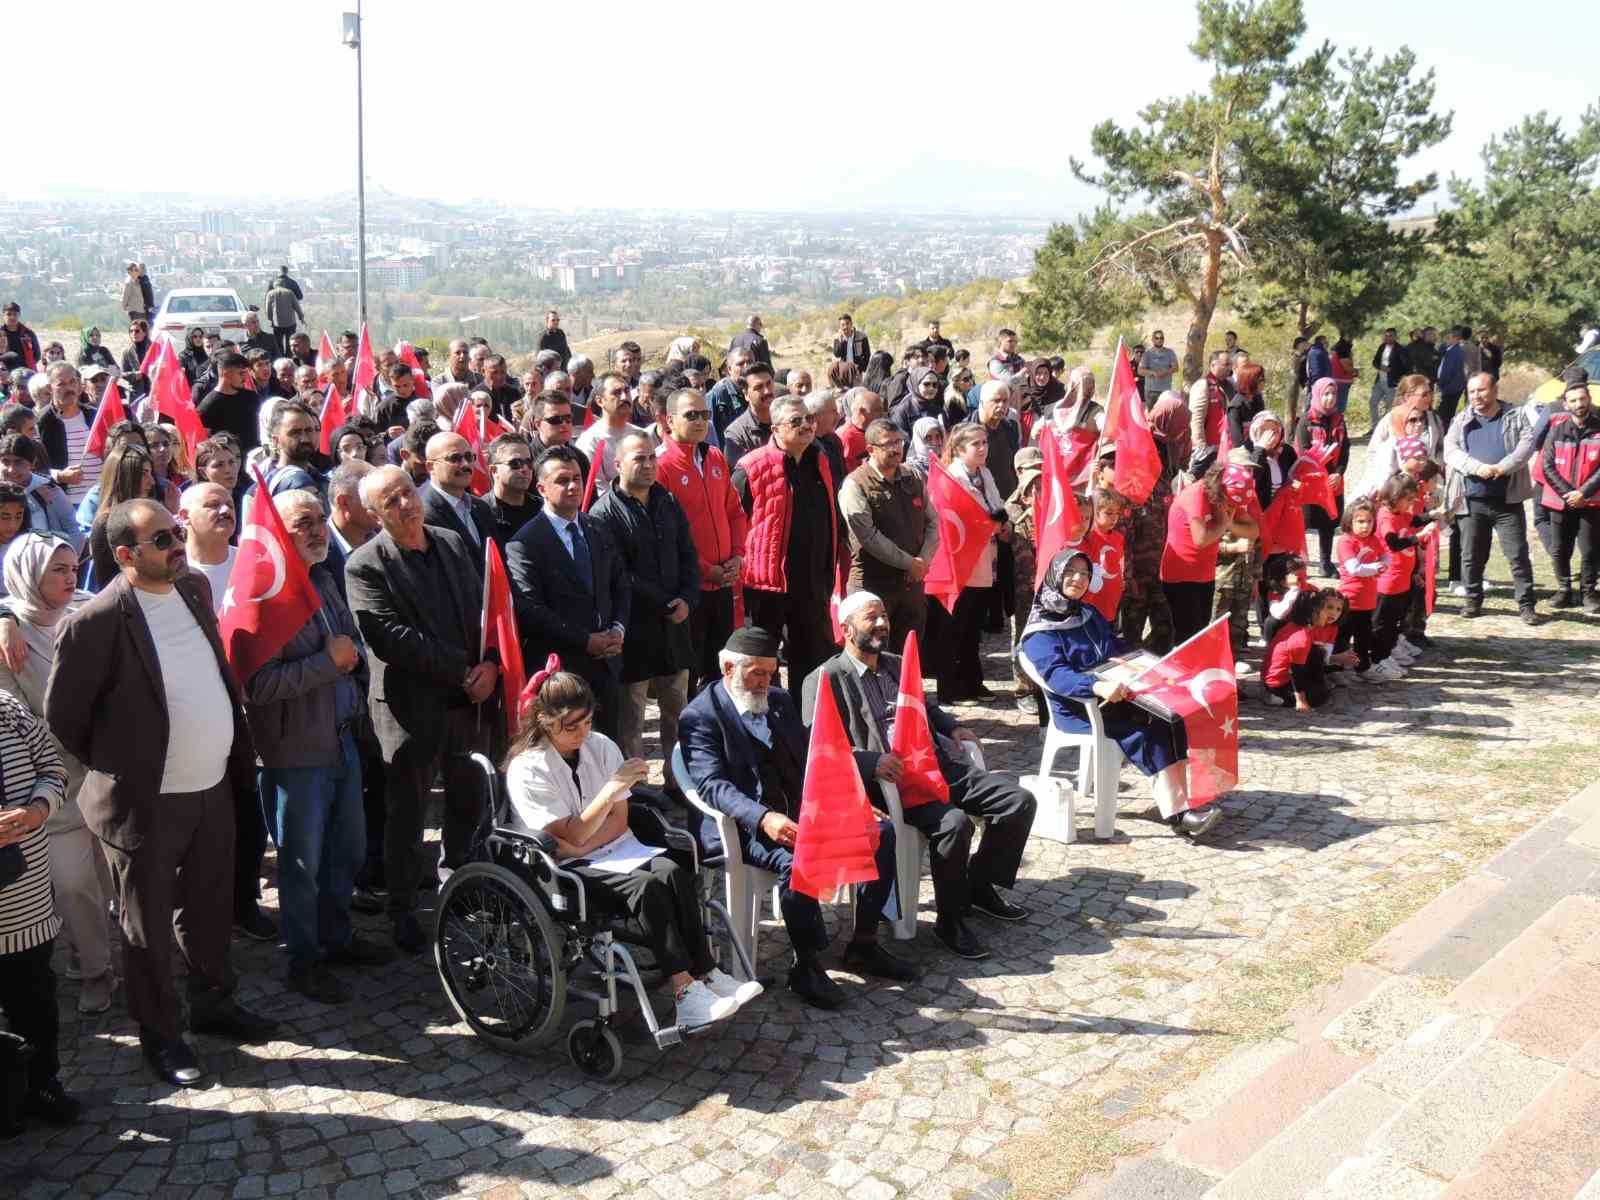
[1243, 670]
[1411, 649]
[699, 1005]
[1402, 657]
[725, 985]
[1388, 671]
[1460, 589]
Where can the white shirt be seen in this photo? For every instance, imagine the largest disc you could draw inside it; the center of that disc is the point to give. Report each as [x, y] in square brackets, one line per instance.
[216, 575]
[199, 712]
[543, 791]
[600, 444]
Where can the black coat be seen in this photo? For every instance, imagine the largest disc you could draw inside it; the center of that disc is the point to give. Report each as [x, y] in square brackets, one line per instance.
[1399, 363]
[659, 555]
[556, 609]
[436, 511]
[863, 350]
[720, 755]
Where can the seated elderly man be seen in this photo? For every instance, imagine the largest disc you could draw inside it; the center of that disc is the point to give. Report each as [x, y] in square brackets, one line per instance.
[865, 679]
[745, 750]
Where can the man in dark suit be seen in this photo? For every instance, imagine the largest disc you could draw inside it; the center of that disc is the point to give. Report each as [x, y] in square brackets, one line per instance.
[141, 693]
[851, 345]
[745, 750]
[419, 605]
[866, 682]
[447, 502]
[571, 588]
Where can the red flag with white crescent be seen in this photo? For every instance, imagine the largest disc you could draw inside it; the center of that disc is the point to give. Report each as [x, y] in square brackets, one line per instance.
[1196, 683]
[1057, 520]
[365, 376]
[325, 357]
[912, 738]
[838, 840]
[110, 411]
[335, 412]
[480, 430]
[1138, 465]
[964, 530]
[407, 354]
[500, 631]
[169, 389]
[269, 596]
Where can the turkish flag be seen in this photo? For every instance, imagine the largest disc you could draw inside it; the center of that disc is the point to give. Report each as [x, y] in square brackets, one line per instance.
[169, 388]
[1077, 455]
[1138, 461]
[335, 412]
[269, 596]
[366, 370]
[1196, 683]
[407, 354]
[1311, 473]
[500, 630]
[838, 839]
[325, 357]
[480, 430]
[912, 739]
[109, 412]
[1057, 520]
[594, 477]
[964, 531]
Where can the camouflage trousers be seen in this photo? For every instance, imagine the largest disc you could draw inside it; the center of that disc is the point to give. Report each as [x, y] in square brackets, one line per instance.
[1023, 555]
[1236, 588]
[1145, 603]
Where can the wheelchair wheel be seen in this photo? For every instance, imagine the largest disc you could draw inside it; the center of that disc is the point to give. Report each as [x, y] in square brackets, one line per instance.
[499, 958]
[594, 1050]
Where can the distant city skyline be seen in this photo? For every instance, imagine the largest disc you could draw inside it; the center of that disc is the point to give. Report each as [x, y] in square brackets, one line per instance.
[870, 108]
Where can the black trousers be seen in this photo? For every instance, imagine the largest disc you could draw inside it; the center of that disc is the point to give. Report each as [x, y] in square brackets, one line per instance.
[907, 607]
[1580, 528]
[28, 1000]
[167, 892]
[1310, 680]
[1191, 607]
[283, 334]
[1507, 522]
[1386, 623]
[1448, 403]
[710, 626]
[806, 629]
[409, 781]
[249, 847]
[657, 904]
[1356, 630]
[1327, 527]
[802, 914]
[374, 806]
[962, 673]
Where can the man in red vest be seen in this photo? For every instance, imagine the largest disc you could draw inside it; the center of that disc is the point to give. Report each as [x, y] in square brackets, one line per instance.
[791, 554]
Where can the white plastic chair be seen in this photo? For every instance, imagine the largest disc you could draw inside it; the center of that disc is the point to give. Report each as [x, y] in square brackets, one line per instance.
[1099, 758]
[911, 851]
[743, 884]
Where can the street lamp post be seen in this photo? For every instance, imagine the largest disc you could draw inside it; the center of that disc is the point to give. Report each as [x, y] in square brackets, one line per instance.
[352, 37]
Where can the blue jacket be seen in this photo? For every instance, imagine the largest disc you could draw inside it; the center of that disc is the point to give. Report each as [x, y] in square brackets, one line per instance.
[719, 752]
[1318, 364]
[1453, 370]
[54, 515]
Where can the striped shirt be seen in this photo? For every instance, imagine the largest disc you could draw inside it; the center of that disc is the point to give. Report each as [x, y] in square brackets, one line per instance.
[33, 771]
[77, 428]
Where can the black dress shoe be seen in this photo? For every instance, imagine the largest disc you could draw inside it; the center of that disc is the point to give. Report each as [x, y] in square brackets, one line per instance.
[811, 983]
[256, 926]
[51, 1104]
[959, 940]
[364, 900]
[173, 1062]
[408, 933]
[870, 958]
[358, 952]
[225, 1018]
[992, 904]
[315, 982]
[983, 694]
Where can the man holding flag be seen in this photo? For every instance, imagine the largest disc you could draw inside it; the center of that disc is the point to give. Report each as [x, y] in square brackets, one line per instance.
[902, 739]
[296, 647]
[746, 753]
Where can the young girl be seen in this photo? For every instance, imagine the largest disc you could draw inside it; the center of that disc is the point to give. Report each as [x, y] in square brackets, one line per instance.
[1323, 434]
[1107, 551]
[1300, 651]
[1400, 532]
[13, 518]
[1283, 582]
[1361, 558]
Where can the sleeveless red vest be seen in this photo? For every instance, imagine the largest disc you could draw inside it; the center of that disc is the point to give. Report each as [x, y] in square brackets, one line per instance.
[771, 513]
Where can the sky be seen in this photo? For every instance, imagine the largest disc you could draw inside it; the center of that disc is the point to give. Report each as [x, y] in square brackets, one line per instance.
[810, 106]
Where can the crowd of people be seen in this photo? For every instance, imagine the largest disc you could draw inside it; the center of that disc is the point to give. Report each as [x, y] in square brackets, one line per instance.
[689, 534]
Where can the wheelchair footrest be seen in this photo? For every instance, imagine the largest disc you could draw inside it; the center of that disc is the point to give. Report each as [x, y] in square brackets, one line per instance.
[670, 1035]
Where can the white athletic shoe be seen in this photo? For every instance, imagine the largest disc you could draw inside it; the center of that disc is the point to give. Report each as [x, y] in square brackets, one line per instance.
[1243, 670]
[699, 1005]
[1460, 589]
[1408, 647]
[1388, 671]
[1401, 658]
[729, 988]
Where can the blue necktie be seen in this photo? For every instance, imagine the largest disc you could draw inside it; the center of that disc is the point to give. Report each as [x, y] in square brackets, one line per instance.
[580, 555]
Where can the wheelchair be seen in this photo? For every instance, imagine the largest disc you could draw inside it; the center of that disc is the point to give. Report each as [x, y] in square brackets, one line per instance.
[514, 940]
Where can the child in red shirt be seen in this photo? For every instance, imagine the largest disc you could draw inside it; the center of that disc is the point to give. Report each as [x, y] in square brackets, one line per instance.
[1360, 556]
[1400, 531]
[1104, 545]
[1300, 651]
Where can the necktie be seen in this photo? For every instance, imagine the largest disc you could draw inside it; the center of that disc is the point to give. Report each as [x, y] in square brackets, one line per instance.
[580, 555]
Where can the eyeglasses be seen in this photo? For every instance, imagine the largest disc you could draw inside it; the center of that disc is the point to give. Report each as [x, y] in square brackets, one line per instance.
[696, 414]
[798, 422]
[892, 447]
[566, 420]
[1076, 573]
[516, 464]
[463, 456]
[163, 539]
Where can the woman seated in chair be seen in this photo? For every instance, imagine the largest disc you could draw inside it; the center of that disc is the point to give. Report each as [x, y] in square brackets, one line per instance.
[568, 780]
[1065, 639]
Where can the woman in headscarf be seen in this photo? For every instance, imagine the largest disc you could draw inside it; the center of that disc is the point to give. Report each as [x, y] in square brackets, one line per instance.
[41, 575]
[879, 367]
[1034, 390]
[1322, 432]
[91, 352]
[1076, 410]
[1169, 422]
[927, 441]
[1065, 639]
[966, 453]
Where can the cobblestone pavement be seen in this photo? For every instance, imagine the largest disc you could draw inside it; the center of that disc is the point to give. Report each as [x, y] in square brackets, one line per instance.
[1127, 961]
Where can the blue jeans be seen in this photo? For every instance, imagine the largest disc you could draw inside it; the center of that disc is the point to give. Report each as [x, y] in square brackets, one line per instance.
[1342, 391]
[317, 821]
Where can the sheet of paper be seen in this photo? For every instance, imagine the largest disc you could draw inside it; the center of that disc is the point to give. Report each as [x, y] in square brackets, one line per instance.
[625, 854]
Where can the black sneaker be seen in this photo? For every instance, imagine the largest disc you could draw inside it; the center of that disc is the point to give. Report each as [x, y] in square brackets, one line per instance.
[1564, 598]
[256, 926]
[1472, 608]
[364, 900]
[1529, 615]
[870, 958]
[408, 934]
[224, 1017]
[316, 982]
[959, 940]
[983, 695]
[358, 952]
[992, 904]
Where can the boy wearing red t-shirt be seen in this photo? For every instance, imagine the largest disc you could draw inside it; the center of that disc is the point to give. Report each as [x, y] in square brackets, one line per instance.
[1105, 547]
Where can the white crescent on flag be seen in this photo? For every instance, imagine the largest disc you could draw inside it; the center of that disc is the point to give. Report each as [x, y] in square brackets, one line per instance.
[274, 553]
[1197, 686]
[958, 531]
[1105, 570]
[1058, 502]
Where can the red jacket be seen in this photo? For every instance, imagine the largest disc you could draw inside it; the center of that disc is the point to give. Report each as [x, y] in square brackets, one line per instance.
[771, 511]
[717, 523]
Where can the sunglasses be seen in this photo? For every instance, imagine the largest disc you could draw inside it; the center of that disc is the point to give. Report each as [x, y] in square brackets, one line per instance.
[516, 464]
[696, 414]
[164, 539]
[798, 422]
[457, 459]
[566, 420]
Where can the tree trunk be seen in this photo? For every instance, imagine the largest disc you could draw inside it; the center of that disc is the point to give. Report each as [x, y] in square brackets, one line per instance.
[1203, 308]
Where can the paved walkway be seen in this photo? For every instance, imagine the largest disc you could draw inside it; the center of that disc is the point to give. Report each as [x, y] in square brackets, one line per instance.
[1140, 952]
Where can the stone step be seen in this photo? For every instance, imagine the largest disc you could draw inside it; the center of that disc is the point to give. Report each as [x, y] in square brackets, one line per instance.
[1544, 1154]
[1515, 971]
